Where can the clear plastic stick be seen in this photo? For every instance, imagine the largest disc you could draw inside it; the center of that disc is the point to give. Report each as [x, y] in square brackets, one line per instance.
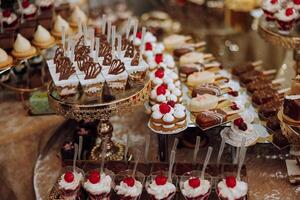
[196, 150]
[108, 30]
[142, 46]
[128, 27]
[126, 148]
[136, 163]
[241, 159]
[97, 48]
[75, 156]
[206, 161]
[104, 21]
[220, 151]
[92, 38]
[79, 24]
[113, 40]
[147, 145]
[80, 147]
[119, 45]
[135, 29]
[103, 155]
[171, 164]
[63, 38]
[174, 148]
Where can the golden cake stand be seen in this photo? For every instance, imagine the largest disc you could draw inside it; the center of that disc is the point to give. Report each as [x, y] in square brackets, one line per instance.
[81, 108]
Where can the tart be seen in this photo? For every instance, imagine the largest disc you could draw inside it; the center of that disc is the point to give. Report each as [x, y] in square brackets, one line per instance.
[5, 60]
[42, 38]
[22, 48]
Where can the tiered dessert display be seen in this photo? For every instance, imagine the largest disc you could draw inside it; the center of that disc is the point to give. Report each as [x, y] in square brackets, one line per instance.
[286, 35]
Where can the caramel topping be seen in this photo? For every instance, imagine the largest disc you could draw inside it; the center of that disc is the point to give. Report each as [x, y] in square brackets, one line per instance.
[92, 70]
[129, 50]
[107, 59]
[116, 67]
[136, 59]
[58, 54]
[66, 68]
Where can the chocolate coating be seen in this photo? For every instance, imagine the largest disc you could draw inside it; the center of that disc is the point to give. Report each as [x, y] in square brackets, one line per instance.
[181, 51]
[291, 108]
[242, 69]
[210, 118]
[263, 96]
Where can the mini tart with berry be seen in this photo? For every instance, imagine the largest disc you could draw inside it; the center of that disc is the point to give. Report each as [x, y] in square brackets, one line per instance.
[195, 188]
[165, 92]
[22, 48]
[70, 182]
[42, 38]
[98, 185]
[241, 129]
[168, 117]
[232, 189]
[160, 188]
[129, 188]
[5, 59]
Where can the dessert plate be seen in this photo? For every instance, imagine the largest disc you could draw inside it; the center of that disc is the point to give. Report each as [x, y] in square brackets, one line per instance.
[225, 134]
[168, 132]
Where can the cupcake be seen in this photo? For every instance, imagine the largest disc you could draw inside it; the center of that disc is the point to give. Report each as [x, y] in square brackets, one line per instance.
[270, 7]
[162, 75]
[78, 15]
[160, 188]
[193, 187]
[22, 48]
[42, 38]
[59, 23]
[5, 60]
[69, 184]
[232, 189]
[46, 13]
[98, 186]
[9, 19]
[285, 19]
[29, 10]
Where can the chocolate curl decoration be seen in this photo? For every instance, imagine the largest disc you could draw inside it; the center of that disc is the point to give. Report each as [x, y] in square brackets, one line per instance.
[83, 64]
[104, 49]
[81, 51]
[58, 54]
[66, 68]
[107, 59]
[129, 50]
[116, 67]
[124, 44]
[136, 59]
[92, 70]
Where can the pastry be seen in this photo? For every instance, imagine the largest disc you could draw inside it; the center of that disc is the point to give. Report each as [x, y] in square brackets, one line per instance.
[252, 76]
[129, 188]
[27, 27]
[270, 7]
[199, 78]
[263, 96]
[192, 57]
[5, 59]
[291, 108]
[203, 103]
[161, 75]
[295, 86]
[270, 109]
[62, 8]
[285, 18]
[42, 38]
[46, 13]
[76, 16]
[239, 70]
[69, 184]
[174, 41]
[9, 19]
[165, 92]
[28, 10]
[241, 129]
[259, 85]
[168, 117]
[97, 185]
[67, 150]
[160, 188]
[210, 118]
[232, 189]
[206, 88]
[195, 188]
[273, 124]
[22, 48]
[57, 29]
[180, 51]
[186, 70]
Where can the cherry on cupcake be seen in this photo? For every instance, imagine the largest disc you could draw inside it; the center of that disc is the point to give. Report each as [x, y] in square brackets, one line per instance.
[25, 3]
[230, 181]
[164, 108]
[6, 13]
[69, 176]
[161, 90]
[158, 58]
[160, 73]
[161, 180]
[289, 11]
[94, 177]
[194, 182]
[243, 126]
[139, 35]
[171, 103]
[148, 46]
[238, 121]
[274, 1]
[129, 181]
[297, 2]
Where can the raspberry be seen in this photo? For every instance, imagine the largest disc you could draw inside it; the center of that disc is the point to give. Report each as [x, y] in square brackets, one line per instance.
[6, 13]
[69, 177]
[139, 35]
[161, 90]
[160, 73]
[275, 1]
[289, 11]
[25, 3]
[243, 126]
[148, 46]
[233, 93]
[164, 108]
[230, 181]
[94, 177]
[234, 107]
[171, 103]
[158, 58]
[238, 121]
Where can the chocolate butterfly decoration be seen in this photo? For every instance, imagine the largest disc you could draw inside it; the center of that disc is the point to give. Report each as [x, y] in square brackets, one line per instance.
[136, 59]
[92, 70]
[66, 68]
[129, 52]
[58, 53]
[81, 51]
[116, 67]
[124, 43]
[107, 59]
[104, 49]
[82, 64]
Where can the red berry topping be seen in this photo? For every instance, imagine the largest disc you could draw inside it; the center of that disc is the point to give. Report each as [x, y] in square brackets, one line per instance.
[164, 108]
[161, 90]
[161, 180]
[230, 181]
[25, 3]
[181, 2]
[164, 85]
[297, 2]
[139, 35]
[69, 177]
[238, 121]
[289, 11]
[94, 177]
[274, 1]
[234, 93]
[129, 181]
[171, 103]
[194, 182]
[158, 58]
[148, 46]
[243, 126]
[160, 73]
[234, 107]
[6, 13]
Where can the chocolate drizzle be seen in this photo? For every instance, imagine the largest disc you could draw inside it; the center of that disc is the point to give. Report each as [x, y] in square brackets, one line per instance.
[136, 59]
[107, 59]
[124, 44]
[58, 54]
[66, 68]
[81, 51]
[116, 67]
[92, 70]
[129, 52]
[104, 49]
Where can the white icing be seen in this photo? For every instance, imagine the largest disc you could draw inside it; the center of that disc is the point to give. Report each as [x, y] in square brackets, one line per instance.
[168, 117]
[161, 98]
[45, 3]
[42, 34]
[240, 190]
[21, 44]
[203, 102]
[59, 23]
[281, 15]
[191, 192]
[159, 48]
[169, 61]
[9, 20]
[157, 115]
[149, 37]
[31, 9]
[179, 113]
[169, 126]
[78, 177]
[3, 56]
[155, 107]
[127, 191]
[78, 14]
[199, 78]
[102, 187]
[172, 97]
[237, 135]
[161, 191]
[268, 6]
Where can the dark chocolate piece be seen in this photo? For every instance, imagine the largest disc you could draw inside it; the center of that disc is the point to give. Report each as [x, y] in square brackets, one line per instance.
[66, 68]
[117, 67]
[206, 89]
[210, 118]
[291, 108]
[263, 96]
[187, 70]
[270, 109]
[252, 76]
[136, 59]
[181, 51]
[107, 59]
[91, 69]
[242, 69]
[129, 52]
[274, 124]
[258, 85]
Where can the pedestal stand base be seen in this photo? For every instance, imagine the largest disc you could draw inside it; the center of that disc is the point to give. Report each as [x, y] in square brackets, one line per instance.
[116, 153]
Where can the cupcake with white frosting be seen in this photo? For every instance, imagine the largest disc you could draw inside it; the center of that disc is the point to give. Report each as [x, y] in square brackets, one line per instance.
[29, 10]
[167, 117]
[22, 48]
[69, 184]
[57, 29]
[270, 7]
[78, 15]
[97, 185]
[285, 19]
[9, 19]
[42, 38]
[165, 92]
[232, 189]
